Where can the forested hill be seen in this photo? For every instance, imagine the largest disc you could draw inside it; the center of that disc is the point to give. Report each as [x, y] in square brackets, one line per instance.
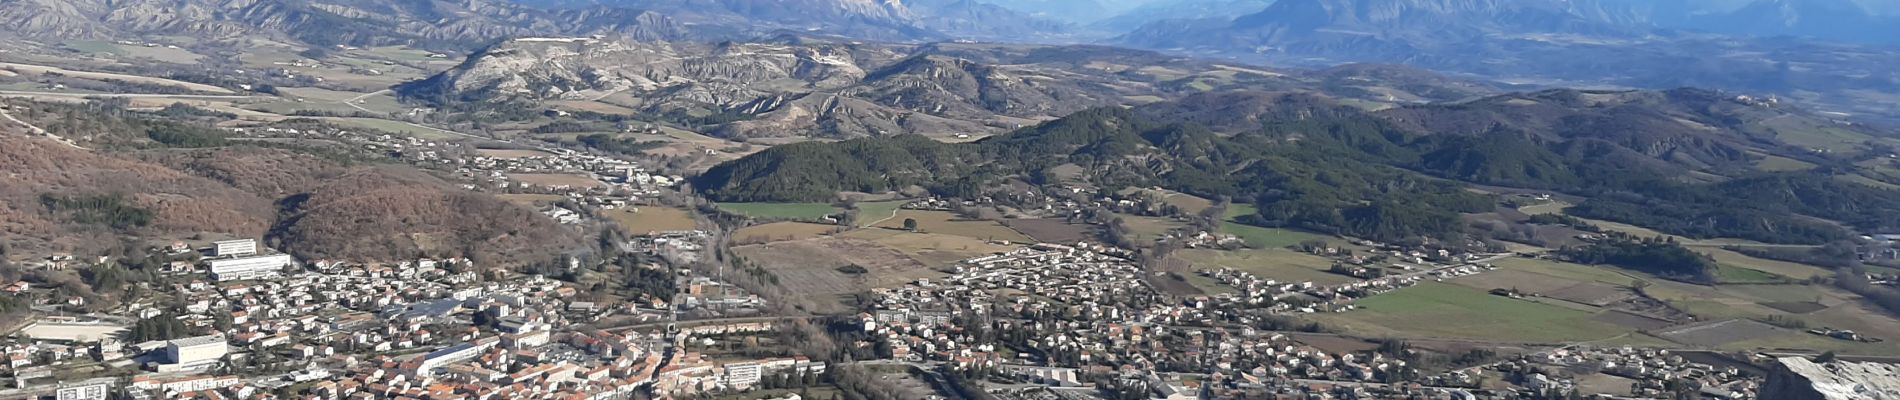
[1305, 183]
[1307, 161]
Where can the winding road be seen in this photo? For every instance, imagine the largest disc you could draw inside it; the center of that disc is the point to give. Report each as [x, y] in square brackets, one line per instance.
[39, 131]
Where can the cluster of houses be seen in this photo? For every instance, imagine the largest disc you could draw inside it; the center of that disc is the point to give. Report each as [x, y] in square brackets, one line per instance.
[615, 182]
[1274, 296]
[1649, 373]
[1092, 318]
[426, 328]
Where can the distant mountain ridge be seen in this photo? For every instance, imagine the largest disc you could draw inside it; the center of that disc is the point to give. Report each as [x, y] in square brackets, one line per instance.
[325, 22]
[473, 23]
[1569, 43]
[818, 87]
[865, 19]
[1162, 10]
[1402, 23]
[1842, 20]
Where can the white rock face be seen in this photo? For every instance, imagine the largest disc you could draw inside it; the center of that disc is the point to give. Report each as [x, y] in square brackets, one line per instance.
[797, 86]
[588, 69]
[1800, 379]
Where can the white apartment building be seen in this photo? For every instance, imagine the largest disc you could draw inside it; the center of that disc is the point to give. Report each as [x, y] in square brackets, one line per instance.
[454, 354]
[249, 267]
[234, 248]
[743, 375]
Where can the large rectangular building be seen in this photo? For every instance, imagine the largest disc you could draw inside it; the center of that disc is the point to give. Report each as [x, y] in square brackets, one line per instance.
[233, 269]
[197, 350]
[454, 354]
[234, 248]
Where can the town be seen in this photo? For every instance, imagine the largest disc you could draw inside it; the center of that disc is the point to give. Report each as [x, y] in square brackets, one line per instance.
[230, 317]
[1070, 319]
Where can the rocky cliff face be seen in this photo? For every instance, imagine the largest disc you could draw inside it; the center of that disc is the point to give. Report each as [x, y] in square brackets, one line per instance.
[1796, 378]
[53, 18]
[536, 69]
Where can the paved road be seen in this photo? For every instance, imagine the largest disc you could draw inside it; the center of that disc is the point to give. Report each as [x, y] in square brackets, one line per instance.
[698, 322]
[352, 101]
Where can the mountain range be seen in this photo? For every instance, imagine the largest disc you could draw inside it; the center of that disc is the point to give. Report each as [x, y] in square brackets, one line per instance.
[442, 23]
[1616, 43]
[1827, 52]
[805, 86]
[1234, 24]
[459, 24]
[1840, 20]
[1177, 10]
[865, 19]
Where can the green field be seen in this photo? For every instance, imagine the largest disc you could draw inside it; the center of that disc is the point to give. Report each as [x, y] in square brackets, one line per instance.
[1782, 268]
[1440, 310]
[807, 211]
[652, 219]
[1566, 271]
[1147, 229]
[1723, 301]
[945, 222]
[1783, 293]
[1274, 238]
[1237, 210]
[1733, 274]
[871, 213]
[782, 231]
